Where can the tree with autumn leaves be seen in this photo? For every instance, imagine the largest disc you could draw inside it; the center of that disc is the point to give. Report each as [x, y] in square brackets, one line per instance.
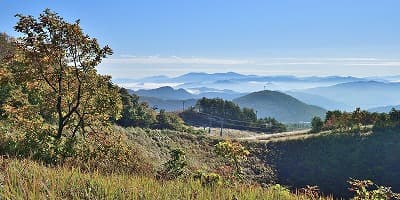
[52, 79]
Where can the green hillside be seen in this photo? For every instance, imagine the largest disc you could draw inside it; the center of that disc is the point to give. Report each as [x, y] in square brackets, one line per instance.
[280, 106]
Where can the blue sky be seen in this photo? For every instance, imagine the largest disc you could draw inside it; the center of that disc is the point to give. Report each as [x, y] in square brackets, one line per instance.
[341, 37]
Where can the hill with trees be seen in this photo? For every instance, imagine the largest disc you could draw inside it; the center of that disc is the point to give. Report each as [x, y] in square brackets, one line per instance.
[223, 113]
[280, 106]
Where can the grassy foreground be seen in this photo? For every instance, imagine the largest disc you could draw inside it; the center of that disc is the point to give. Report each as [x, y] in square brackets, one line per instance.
[24, 179]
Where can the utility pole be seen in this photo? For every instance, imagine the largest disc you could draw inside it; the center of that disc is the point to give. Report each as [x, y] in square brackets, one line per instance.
[222, 127]
[264, 87]
[183, 106]
[222, 119]
[209, 127]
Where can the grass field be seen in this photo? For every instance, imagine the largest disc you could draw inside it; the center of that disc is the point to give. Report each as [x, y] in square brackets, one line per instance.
[24, 179]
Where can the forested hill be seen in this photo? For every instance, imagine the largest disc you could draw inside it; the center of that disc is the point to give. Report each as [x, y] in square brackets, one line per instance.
[280, 106]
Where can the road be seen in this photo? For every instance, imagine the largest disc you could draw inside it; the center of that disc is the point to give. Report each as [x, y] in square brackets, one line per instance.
[267, 137]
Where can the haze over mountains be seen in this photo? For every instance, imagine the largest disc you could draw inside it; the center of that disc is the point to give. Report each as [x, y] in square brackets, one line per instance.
[324, 93]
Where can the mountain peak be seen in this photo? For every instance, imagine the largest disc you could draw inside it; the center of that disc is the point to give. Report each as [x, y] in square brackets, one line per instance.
[280, 106]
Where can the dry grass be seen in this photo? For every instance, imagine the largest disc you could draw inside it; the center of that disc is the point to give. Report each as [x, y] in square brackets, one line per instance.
[28, 180]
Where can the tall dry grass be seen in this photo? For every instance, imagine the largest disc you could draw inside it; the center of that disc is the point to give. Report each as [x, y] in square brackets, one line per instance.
[25, 179]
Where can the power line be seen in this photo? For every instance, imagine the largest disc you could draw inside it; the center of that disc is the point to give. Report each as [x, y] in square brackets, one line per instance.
[257, 127]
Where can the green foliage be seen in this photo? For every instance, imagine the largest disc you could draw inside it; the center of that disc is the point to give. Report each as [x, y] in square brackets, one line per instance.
[234, 153]
[7, 47]
[358, 120]
[367, 190]
[207, 179]
[134, 113]
[213, 112]
[38, 146]
[316, 124]
[280, 191]
[110, 152]
[54, 78]
[166, 120]
[175, 167]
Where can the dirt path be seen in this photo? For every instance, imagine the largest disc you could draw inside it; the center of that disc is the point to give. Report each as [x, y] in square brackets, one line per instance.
[283, 135]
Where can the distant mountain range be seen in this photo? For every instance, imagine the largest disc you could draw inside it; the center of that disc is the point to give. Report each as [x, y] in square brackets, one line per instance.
[320, 101]
[331, 92]
[168, 105]
[169, 93]
[232, 76]
[237, 82]
[384, 109]
[364, 94]
[165, 93]
[280, 106]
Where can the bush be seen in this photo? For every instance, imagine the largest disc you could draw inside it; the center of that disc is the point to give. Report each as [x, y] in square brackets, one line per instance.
[208, 179]
[175, 167]
[234, 153]
[109, 152]
[366, 190]
[316, 124]
[170, 121]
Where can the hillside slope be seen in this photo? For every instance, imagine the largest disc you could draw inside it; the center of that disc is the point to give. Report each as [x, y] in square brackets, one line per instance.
[280, 106]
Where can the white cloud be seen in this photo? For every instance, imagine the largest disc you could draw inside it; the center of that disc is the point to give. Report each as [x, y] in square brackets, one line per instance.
[129, 59]
[149, 85]
[174, 60]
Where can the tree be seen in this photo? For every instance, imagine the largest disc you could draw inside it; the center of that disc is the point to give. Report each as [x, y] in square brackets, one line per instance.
[7, 47]
[316, 124]
[175, 167]
[135, 113]
[57, 74]
[234, 153]
[170, 121]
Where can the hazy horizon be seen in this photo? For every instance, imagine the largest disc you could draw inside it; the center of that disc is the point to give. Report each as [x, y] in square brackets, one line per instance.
[307, 38]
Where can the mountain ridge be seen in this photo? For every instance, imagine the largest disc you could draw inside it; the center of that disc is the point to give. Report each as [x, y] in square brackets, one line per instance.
[280, 106]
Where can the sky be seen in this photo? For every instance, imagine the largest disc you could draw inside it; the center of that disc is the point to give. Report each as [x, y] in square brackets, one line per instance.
[281, 37]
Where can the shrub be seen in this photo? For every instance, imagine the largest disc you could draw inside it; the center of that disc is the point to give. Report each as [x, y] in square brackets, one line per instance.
[207, 179]
[175, 167]
[109, 152]
[316, 124]
[367, 190]
[234, 153]
[170, 121]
